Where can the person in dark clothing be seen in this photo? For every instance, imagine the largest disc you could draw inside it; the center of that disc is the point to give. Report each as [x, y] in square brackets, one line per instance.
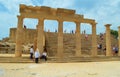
[31, 52]
[44, 55]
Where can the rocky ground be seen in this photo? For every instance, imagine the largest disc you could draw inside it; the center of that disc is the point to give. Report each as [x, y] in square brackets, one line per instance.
[82, 69]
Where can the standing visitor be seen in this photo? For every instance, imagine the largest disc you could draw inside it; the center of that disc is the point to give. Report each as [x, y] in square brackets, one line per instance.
[31, 52]
[86, 36]
[113, 49]
[116, 51]
[37, 55]
[84, 32]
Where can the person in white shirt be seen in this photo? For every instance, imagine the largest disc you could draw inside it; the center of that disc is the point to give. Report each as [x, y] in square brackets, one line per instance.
[31, 52]
[37, 55]
[44, 55]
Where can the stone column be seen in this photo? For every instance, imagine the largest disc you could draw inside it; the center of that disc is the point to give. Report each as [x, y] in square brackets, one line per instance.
[119, 40]
[35, 44]
[108, 40]
[60, 40]
[78, 40]
[18, 48]
[40, 35]
[94, 40]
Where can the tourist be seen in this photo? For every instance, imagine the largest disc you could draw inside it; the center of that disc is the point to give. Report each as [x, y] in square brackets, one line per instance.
[104, 50]
[44, 55]
[65, 31]
[25, 27]
[37, 55]
[116, 51]
[84, 32]
[113, 49]
[55, 30]
[101, 36]
[48, 30]
[86, 36]
[100, 46]
[72, 32]
[31, 52]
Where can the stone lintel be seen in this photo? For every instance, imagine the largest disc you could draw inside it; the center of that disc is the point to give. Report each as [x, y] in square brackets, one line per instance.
[78, 16]
[94, 23]
[53, 11]
[27, 10]
[45, 7]
[36, 9]
[88, 21]
[65, 11]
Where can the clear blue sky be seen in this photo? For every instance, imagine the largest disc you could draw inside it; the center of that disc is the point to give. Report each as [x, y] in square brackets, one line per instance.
[103, 11]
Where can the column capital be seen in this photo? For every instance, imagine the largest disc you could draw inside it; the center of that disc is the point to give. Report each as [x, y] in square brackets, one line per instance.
[40, 18]
[40, 21]
[107, 25]
[18, 16]
[60, 20]
[93, 23]
[77, 21]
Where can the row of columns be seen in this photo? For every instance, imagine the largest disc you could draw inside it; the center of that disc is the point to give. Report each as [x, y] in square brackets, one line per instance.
[78, 40]
[108, 40]
[40, 38]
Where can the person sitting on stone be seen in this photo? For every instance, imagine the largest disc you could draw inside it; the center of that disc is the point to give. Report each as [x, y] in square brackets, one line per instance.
[44, 56]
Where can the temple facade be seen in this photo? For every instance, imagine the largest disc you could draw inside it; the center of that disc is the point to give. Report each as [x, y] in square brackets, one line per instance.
[60, 15]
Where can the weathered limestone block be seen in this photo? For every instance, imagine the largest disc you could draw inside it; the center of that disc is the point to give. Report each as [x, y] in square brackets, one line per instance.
[22, 7]
[27, 10]
[65, 11]
[45, 10]
[78, 16]
[12, 34]
[53, 11]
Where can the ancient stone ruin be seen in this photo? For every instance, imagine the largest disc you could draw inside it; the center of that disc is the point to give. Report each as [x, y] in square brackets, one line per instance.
[57, 44]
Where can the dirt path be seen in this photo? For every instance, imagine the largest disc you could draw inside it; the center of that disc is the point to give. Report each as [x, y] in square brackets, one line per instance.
[87, 69]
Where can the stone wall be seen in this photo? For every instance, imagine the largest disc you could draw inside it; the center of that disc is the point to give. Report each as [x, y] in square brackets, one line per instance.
[68, 44]
[68, 41]
[12, 34]
[28, 35]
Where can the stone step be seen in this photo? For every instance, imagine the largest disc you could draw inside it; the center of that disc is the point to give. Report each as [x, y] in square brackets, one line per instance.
[53, 59]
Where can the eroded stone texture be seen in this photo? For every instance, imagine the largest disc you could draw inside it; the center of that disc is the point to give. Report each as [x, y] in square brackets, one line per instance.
[60, 14]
